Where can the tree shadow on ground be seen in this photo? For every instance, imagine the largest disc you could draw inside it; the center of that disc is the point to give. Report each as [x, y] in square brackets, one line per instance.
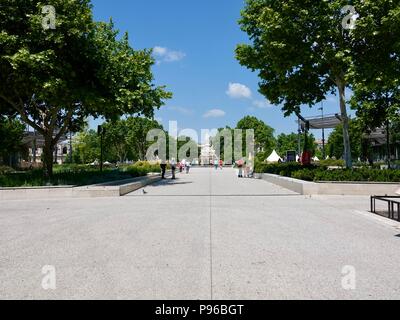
[170, 182]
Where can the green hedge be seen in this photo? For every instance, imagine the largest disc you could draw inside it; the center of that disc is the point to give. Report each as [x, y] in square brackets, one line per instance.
[363, 174]
[319, 173]
[332, 163]
[283, 169]
[79, 175]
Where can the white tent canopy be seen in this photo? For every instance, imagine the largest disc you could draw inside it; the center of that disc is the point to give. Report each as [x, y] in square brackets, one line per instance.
[274, 157]
[316, 159]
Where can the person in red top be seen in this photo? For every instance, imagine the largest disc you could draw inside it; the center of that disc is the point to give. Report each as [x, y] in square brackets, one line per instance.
[221, 164]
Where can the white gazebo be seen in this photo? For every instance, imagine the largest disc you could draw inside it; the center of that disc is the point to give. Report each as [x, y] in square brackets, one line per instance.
[274, 157]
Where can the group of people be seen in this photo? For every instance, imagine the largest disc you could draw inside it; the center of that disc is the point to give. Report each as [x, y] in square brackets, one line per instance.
[245, 169]
[182, 166]
[218, 164]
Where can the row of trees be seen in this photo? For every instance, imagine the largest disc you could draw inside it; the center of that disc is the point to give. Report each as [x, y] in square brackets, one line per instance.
[124, 139]
[303, 53]
[265, 140]
[53, 79]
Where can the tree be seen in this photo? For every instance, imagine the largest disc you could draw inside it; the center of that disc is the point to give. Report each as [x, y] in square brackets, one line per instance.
[218, 142]
[301, 51]
[116, 140]
[375, 72]
[335, 141]
[86, 147]
[11, 135]
[137, 129]
[187, 148]
[54, 78]
[290, 142]
[263, 135]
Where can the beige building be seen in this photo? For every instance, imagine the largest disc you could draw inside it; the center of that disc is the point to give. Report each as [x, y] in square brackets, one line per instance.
[33, 144]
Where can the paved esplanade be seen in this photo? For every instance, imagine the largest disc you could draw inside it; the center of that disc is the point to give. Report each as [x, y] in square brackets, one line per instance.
[206, 235]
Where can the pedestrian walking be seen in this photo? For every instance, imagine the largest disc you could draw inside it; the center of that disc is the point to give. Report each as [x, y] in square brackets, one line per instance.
[216, 164]
[245, 169]
[163, 166]
[240, 164]
[188, 165]
[183, 164]
[173, 168]
[221, 164]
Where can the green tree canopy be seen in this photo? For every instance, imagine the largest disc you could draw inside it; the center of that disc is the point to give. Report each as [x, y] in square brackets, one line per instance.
[138, 127]
[375, 73]
[54, 78]
[263, 135]
[302, 52]
[335, 142]
[86, 147]
[290, 142]
[11, 135]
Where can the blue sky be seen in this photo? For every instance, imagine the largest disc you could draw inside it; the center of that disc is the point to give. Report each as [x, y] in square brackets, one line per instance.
[194, 45]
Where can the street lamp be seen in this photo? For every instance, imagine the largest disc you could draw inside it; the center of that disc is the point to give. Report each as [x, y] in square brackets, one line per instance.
[323, 131]
[101, 131]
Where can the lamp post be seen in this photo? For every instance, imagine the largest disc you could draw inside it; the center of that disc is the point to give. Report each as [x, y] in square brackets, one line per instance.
[323, 131]
[388, 143]
[299, 137]
[70, 146]
[101, 131]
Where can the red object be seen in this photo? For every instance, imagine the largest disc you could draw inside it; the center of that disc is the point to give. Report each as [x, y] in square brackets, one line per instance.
[240, 163]
[306, 158]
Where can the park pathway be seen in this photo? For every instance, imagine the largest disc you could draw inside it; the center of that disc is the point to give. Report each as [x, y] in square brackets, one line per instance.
[207, 235]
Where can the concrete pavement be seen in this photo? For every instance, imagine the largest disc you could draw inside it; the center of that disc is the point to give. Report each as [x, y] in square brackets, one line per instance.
[206, 235]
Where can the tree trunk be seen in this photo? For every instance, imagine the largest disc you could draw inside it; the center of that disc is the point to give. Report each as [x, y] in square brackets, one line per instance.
[345, 122]
[48, 157]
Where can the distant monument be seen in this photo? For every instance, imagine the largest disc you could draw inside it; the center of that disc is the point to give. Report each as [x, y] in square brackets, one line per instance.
[208, 155]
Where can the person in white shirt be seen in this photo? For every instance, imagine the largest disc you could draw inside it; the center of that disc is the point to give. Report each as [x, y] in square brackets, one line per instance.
[188, 164]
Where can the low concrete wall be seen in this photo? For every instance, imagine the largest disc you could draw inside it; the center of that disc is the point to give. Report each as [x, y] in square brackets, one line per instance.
[111, 189]
[331, 188]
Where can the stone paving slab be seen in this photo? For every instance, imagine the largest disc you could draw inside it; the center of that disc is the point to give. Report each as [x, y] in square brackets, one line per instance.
[206, 235]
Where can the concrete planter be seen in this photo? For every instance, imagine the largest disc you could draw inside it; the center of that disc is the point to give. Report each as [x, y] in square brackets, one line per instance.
[110, 189]
[331, 188]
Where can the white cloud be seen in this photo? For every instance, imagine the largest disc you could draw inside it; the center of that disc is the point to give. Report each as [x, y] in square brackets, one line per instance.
[238, 91]
[166, 55]
[159, 51]
[262, 104]
[214, 113]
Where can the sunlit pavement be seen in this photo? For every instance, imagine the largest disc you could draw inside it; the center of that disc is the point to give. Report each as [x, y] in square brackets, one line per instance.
[206, 235]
